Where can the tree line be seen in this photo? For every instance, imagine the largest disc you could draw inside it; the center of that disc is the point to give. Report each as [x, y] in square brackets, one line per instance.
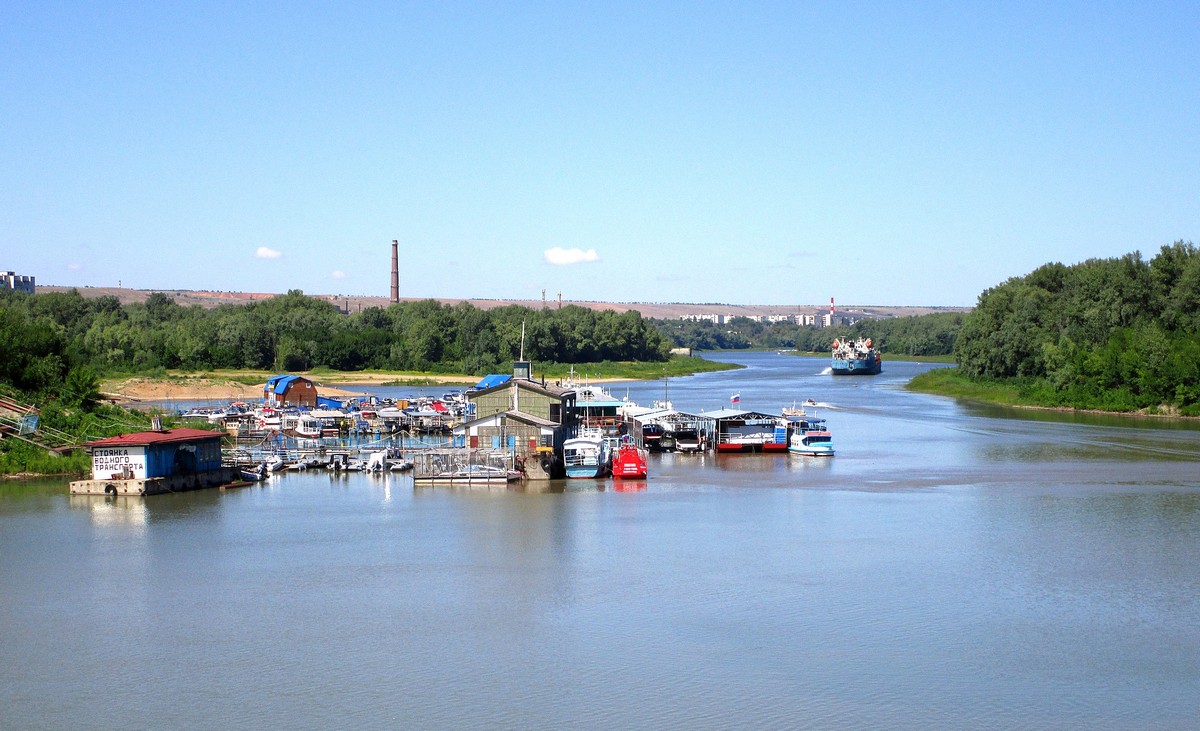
[49, 333]
[923, 335]
[1118, 334]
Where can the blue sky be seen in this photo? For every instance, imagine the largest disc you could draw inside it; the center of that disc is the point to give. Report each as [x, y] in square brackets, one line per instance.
[882, 153]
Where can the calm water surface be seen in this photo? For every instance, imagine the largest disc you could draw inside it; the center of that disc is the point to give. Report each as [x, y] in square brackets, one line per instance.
[951, 568]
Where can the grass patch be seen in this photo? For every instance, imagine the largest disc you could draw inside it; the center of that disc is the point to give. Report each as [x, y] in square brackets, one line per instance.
[22, 458]
[953, 382]
[634, 370]
[1039, 393]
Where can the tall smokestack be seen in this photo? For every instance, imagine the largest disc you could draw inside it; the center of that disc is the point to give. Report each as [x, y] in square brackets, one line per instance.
[395, 271]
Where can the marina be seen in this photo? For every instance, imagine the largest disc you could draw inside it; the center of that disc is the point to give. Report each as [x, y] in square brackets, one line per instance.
[506, 428]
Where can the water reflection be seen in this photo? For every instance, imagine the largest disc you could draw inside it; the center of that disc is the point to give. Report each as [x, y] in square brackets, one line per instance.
[109, 511]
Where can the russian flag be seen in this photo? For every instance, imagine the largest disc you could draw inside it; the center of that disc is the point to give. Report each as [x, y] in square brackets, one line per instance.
[735, 399]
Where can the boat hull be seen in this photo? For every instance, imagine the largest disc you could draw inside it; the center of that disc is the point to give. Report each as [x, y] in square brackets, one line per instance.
[584, 472]
[812, 451]
[750, 447]
[857, 367]
[629, 464]
[586, 457]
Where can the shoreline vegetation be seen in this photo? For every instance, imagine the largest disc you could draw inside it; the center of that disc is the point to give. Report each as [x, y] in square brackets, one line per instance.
[245, 385]
[953, 383]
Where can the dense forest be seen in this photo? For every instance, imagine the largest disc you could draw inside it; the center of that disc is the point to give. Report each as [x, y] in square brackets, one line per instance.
[46, 335]
[1115, 334]
[925, 335]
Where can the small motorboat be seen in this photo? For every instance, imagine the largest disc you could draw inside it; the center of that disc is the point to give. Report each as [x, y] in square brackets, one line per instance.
[629, 462]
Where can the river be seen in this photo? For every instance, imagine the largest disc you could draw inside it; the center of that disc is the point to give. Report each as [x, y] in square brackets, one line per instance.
[953, 567]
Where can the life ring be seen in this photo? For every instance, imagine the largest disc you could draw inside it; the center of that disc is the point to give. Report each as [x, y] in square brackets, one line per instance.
[836, 344]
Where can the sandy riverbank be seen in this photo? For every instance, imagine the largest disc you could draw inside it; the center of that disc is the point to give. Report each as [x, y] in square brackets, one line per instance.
[132, 390]
[198, 388]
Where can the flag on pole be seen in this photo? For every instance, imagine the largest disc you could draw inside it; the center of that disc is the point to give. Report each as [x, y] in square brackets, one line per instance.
[735, 399]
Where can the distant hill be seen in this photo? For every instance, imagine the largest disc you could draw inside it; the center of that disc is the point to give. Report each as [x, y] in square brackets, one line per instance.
[659, 310]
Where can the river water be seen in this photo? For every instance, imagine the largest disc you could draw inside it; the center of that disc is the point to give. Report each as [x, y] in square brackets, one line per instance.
[951, 568]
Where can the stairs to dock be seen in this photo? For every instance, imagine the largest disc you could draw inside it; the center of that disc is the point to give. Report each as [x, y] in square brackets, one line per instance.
[21, 421]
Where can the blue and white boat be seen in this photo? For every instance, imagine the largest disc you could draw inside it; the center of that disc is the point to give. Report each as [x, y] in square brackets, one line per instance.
[858, 358]
[587, 455]
[810, 437]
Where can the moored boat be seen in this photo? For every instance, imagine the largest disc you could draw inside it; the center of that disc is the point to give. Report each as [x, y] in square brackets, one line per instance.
[629, 463]
[858, 358]
[652, 436]
[586, 455]
[686, 440]
[810, 437]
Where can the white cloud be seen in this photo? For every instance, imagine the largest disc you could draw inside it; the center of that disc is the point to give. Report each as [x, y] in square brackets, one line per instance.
[338, 274]
[560, 256]
[265, 253]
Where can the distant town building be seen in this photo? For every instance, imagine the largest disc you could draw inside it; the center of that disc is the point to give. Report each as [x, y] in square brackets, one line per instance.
[714, 319]
[12, 280]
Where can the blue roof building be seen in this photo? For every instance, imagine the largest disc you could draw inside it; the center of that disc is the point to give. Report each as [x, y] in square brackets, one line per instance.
[285, 390]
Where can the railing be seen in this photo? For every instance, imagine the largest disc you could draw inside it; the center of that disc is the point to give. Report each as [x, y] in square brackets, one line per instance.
[21, 422]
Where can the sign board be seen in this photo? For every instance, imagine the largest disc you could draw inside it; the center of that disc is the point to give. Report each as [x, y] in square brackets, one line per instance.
[116, 463]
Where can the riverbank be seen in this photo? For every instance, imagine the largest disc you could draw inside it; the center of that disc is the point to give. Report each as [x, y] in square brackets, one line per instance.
[1017, 395]
[193, 388]
[248, 385]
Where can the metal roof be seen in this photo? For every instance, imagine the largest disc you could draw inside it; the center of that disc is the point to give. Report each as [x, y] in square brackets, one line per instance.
[555, 391]
[737, 414]
[166, 436]
[279, 384]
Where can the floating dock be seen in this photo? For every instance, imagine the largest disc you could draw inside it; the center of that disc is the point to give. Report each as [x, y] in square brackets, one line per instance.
[157, 485]
[156, 462]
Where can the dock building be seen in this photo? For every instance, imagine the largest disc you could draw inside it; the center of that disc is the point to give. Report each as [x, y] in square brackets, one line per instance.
[284, 390]
[153, 462]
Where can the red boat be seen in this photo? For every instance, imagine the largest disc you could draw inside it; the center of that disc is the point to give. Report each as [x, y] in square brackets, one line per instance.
[629, 463]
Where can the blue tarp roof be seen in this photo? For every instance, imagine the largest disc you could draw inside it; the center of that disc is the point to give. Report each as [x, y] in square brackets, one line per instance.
[279, 384]
[494, 379]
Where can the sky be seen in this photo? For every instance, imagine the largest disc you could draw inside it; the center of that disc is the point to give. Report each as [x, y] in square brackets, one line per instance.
[882, 153]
